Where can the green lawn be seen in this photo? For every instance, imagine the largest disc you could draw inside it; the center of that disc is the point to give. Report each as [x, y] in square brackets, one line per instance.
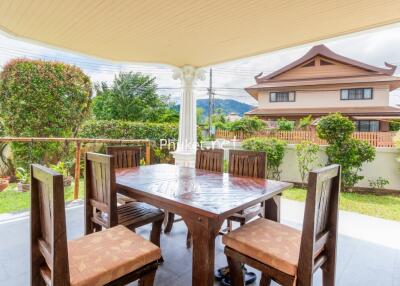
[11, 201]
[385, 206]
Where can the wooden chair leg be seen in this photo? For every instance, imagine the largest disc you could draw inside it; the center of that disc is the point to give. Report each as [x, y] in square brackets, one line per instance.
[155, 235]
[265, 280]
[235, 272]
[228, 225]
[148, 279]
[189, 239]
[156, 232]
[170, 222]
[328, 278]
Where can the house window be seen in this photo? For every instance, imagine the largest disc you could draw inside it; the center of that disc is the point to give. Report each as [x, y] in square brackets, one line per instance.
[356, 94]
[289, 96]
[367, 125]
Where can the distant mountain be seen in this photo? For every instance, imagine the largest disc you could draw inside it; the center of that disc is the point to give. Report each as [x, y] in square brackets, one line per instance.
[226, 105]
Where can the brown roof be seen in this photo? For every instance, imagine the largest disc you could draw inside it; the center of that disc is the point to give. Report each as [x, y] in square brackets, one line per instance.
[350, 111]
[322, 50]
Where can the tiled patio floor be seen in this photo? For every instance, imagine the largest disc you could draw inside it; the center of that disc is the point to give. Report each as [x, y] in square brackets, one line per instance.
[368, 250]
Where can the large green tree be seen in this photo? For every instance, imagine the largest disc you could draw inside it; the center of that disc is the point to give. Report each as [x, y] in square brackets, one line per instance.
[132, 97]
[42, 99]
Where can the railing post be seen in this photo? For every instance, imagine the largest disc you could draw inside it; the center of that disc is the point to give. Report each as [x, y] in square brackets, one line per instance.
[77, 169]
[147, 153]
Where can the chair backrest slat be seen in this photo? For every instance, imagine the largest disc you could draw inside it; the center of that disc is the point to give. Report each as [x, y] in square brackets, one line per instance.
[125, 156]
[247, 163]
[100, 189]
[48, 231]
[210, 160]
[319, 236]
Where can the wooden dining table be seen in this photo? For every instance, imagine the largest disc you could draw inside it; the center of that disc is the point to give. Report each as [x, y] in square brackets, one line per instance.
[203, 199]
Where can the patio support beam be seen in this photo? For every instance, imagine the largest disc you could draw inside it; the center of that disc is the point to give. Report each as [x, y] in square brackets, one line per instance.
[185, 153]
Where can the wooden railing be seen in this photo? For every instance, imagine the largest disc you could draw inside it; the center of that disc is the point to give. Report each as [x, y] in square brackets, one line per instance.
[79, 142]
[376, 139]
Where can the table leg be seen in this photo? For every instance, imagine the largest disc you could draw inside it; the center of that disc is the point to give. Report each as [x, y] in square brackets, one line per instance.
[204, 232]
[272, 208]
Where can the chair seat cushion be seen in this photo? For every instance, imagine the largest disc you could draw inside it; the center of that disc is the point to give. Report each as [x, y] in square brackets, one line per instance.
[104, 256]
[269, 242]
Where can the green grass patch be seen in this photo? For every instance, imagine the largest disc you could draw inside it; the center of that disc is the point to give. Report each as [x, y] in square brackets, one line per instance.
[384, 206]
[12, 201]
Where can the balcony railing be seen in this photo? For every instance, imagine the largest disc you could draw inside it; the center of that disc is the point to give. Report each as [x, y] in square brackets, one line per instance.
[78, 150]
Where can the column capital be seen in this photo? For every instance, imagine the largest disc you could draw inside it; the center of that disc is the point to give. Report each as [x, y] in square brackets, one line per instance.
[188, 75]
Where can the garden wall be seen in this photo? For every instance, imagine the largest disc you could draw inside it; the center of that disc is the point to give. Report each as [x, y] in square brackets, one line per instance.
[385, 165]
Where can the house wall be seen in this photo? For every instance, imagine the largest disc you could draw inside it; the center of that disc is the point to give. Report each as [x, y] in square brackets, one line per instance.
[314, 97]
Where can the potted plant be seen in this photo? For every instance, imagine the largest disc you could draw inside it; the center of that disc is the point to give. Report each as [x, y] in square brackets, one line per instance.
[4, 183]
[23, 180]
[63, 168]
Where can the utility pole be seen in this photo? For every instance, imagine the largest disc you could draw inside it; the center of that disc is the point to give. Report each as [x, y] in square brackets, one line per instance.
[210, 104]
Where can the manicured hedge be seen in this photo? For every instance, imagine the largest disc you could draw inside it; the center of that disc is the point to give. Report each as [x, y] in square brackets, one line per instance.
[116, 129]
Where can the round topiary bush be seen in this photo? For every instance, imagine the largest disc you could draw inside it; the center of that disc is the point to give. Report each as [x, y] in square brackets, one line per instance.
[42, 99]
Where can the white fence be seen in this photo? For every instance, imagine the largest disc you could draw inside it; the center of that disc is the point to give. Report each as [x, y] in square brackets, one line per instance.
[385, 165]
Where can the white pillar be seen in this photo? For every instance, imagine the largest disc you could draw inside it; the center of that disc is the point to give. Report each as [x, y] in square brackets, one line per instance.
[185, 153]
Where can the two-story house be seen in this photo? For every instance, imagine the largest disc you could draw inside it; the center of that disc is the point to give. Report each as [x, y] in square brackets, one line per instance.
[323, 82]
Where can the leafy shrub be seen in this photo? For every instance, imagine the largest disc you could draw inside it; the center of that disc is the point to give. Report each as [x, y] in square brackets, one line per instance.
[22, 175]
[247, 125]
[275, 150]
[117, 129]
[379, 183]
[335, 128]
[42, 99]
[62, 168]
[285, 125]
[305, 122]
[394, 125]
[350, 153]
[307, 156]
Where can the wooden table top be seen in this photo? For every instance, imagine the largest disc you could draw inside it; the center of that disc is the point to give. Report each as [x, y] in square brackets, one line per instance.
[204, 192]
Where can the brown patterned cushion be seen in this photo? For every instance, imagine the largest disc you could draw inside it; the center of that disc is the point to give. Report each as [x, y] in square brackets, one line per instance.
[269, 242]
[104, 256]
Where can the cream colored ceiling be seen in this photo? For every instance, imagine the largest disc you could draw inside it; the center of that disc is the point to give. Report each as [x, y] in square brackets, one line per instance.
[195, 32]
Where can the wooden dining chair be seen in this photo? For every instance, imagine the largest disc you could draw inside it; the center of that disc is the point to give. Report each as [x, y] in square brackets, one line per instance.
[210, 160]
[101, 208]
[246, 164]
[284, 254]
[125, 157]
[115, 256]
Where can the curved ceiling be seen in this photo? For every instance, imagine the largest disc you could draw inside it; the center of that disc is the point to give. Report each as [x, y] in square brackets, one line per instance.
[179, 32]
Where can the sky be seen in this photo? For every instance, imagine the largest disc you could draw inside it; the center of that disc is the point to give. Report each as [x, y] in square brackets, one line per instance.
[373, 47]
